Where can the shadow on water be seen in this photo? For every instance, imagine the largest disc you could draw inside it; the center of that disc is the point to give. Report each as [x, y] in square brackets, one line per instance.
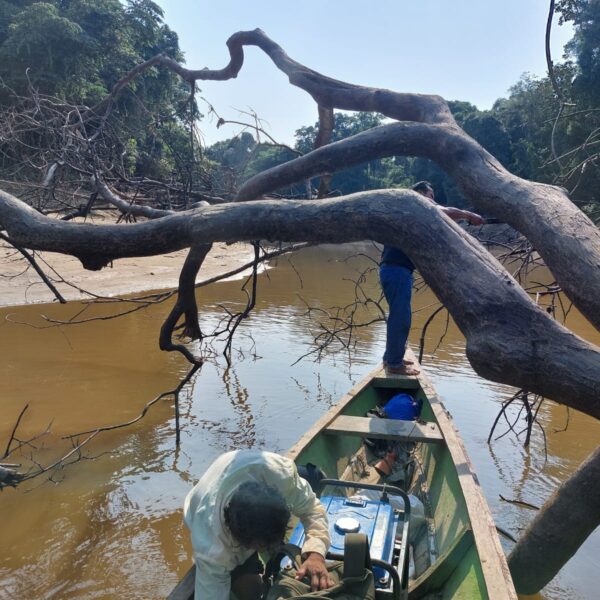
[112, 526]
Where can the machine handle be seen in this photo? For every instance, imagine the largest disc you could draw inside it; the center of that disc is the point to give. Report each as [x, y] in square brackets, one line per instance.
[377, 563]
[396, 491]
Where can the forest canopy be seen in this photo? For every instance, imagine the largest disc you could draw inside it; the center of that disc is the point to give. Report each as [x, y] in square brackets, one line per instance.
[78, 50]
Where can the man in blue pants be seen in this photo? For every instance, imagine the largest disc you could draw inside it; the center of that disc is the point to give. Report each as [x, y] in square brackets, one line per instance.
[396, 277]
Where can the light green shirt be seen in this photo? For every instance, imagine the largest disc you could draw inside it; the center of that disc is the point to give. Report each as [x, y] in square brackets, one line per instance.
[216, 553]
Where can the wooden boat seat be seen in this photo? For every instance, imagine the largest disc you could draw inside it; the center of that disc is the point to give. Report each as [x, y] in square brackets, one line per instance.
[385, 429]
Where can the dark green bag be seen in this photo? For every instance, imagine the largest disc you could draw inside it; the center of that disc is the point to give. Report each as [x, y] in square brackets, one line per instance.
[353, 579]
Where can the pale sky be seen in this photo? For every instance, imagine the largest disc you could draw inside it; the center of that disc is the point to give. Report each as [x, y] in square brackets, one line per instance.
[471, 50]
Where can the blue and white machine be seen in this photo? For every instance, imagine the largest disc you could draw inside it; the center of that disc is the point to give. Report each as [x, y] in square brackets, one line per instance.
[385, 527]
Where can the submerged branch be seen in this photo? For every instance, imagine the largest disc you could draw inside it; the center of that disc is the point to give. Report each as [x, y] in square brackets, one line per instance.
[174, 392]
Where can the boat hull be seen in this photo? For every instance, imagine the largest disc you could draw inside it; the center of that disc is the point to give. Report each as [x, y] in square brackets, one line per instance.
[470, 562]
[465, 558]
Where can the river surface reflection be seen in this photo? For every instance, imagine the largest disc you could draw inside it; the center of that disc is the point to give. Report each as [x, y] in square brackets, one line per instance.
[111, 527]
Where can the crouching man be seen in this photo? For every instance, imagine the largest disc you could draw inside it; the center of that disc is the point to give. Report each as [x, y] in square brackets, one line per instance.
[241, 506]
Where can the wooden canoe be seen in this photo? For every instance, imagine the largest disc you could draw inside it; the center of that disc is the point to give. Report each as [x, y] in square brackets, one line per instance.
[464, 558]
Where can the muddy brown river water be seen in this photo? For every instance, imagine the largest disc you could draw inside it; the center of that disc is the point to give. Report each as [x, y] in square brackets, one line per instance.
[109, 526]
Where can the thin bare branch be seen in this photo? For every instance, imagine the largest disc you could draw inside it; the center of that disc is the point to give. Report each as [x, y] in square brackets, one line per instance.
[31, 260]
[14, 430]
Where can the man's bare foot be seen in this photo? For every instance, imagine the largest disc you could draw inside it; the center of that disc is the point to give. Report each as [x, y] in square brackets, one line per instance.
[405, 361]
[402, 370]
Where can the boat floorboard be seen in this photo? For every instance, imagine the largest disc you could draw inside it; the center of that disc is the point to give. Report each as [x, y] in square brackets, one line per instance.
[385, 429]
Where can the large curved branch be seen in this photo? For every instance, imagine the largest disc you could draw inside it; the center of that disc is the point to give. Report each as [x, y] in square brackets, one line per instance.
[509, 338]
[567, 240]
[22, 222]
[566, 520]
[327, 92]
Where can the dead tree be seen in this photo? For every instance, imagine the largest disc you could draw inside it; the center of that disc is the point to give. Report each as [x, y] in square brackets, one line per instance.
[489, 307]
[509, 338]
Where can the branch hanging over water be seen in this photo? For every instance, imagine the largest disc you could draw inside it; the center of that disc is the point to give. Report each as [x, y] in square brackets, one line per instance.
[488, 305]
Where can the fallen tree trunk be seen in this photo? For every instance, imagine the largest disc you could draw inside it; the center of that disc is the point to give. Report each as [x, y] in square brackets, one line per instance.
[566, 239]
[509, 338]
[558, 530]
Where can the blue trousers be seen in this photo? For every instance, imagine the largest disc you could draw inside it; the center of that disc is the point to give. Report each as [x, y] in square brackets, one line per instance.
[396, 282]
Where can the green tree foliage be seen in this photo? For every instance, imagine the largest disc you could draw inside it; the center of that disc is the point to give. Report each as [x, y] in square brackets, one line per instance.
[583, 165]
[48, 47]
[77, 50]
[374, 174]
[237, 159]
[529, 116]
[585, 45]
[537, 118]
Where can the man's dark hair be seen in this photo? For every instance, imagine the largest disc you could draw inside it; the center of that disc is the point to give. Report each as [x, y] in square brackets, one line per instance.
[422, 186]
[257, 515]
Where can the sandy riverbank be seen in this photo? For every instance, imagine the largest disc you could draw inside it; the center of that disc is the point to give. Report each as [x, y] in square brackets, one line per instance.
[20, 284]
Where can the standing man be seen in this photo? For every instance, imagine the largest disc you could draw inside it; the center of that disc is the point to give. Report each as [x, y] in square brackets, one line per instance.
[242, 506]
[396, 277]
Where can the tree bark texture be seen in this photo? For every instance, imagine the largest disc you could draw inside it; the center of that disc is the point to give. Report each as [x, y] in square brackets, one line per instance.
[185, 305]
[509, 338]
[567, 240]
[327, 92]
[558, 530]
[324, 135]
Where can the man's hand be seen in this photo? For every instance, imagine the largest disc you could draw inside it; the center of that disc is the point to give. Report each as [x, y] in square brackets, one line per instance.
[474, 218]
[314, 567]
[457, 214]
